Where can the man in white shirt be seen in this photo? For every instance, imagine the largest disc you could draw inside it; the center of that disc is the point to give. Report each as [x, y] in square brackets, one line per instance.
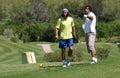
[90, 30]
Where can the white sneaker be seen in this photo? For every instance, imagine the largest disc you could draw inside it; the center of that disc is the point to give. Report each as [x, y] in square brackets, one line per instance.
[94, 60]
[68, 61]
[64, 66]
[64, 63]
[68, 64]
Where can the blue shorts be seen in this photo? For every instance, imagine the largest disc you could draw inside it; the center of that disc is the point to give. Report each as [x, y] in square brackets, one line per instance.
[64, 43]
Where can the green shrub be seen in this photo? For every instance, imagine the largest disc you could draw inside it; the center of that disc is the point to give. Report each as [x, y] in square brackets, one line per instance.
[118, 45]
[8, 32]
[49, 34]
[14, 39]
[77, 56]
[56, 56]
[53, 57]
[102, 53]
[24, 37]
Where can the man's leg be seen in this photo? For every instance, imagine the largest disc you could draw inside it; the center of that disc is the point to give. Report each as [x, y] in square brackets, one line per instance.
[94, 58]
[63, 46]
[63, 56]
[93, 53]
[63, 53]
[70, 51]
[90, 45]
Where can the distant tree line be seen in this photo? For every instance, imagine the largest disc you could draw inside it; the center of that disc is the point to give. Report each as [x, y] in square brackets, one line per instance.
[35, 20]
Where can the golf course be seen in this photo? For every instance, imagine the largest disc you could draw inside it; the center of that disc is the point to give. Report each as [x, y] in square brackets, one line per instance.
[11, 62]
[35, 28]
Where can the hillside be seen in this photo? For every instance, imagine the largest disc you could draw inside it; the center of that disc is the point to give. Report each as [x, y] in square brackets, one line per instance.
[12, 52]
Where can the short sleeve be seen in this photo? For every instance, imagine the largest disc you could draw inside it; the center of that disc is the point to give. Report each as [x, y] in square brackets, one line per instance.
[72, 23]
[58, 23]
[92, 14]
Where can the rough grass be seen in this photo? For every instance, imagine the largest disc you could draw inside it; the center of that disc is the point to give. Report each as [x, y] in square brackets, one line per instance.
[11, 67]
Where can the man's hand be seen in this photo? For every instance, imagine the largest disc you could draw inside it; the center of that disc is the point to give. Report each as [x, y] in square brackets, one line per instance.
[56, 32]
[56, 36]
[85, 16]
[75, 39]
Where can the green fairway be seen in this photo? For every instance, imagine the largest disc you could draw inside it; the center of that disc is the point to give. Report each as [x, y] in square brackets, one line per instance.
[11, 62]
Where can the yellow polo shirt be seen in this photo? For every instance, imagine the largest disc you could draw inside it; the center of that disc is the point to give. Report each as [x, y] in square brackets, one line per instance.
[65, 27]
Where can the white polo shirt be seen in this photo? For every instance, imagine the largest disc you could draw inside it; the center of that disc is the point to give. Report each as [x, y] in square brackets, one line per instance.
[90, 25]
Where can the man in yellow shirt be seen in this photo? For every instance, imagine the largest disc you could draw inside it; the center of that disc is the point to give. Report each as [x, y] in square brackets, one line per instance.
[65, 26]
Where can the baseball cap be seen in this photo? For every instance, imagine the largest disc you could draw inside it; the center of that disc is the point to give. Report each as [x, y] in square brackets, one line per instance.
[65, 10]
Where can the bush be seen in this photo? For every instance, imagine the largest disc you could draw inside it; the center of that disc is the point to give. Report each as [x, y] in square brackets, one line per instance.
[14, 39]
[8, 33]
[118, 45]
[56, 56]
[77, 56]
[24, 36]
[102, 53]
[53, 57]
[49, 34]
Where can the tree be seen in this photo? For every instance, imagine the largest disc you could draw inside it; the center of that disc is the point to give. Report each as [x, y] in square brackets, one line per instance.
[73, 6]
[40, 10]
[98, 9]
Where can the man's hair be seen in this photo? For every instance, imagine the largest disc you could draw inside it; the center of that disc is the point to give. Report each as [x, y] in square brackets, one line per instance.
[63, 14]
[89, 7]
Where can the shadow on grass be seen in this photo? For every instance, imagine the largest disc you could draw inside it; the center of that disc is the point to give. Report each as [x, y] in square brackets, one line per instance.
[72, 64]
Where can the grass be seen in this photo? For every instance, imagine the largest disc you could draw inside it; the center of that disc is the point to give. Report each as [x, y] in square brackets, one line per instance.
[11, 67]
[80, 70]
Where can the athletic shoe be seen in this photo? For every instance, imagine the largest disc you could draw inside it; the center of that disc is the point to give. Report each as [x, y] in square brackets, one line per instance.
[64, 66]
[64, 63]
[68, 64]
[68, 61]
[94, 60]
